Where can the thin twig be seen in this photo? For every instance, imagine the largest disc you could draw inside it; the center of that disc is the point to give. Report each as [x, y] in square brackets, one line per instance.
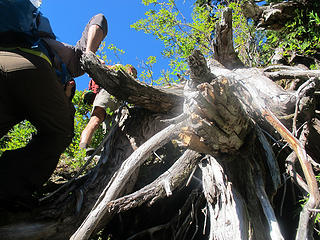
[294, 121]
[205, 212]
[290, 168]
[191, 175]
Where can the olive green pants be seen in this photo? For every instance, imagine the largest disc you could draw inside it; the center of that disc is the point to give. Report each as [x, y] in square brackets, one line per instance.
[29, 89]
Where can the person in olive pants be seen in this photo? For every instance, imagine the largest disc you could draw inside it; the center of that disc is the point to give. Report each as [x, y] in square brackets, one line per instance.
[30, 89]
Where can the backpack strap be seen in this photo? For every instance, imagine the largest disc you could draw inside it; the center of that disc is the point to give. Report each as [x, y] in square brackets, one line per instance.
[31, 51]
[61, 70]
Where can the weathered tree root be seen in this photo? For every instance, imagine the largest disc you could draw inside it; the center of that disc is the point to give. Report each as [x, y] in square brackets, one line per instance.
[227, 211]
[121, 177]
[159, 188]
[221, 116]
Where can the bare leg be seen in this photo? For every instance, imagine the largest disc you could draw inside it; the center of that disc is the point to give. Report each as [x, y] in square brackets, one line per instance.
[97, 117]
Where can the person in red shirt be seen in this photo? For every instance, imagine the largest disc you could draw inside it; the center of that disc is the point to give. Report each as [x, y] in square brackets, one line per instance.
[101, 100]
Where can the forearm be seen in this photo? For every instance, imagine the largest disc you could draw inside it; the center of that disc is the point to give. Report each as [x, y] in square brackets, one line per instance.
[95, 37]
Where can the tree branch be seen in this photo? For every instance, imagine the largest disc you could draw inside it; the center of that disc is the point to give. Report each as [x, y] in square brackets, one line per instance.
[124, 87]
[290, 169]
[306, 220]
[271, 159]
[275, 232]
[175, 176]
[223, 47]
[273, 16]
[292, 74]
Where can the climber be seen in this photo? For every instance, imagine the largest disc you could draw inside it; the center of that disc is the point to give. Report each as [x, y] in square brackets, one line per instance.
[39, 69]
[100, 99]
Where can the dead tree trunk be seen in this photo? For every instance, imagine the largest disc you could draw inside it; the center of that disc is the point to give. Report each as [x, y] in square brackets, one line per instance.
[224, 179]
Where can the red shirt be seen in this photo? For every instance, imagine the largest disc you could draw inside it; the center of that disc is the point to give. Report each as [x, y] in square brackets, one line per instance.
[93, 86]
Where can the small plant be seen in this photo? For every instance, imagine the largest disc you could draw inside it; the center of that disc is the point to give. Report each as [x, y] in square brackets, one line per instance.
[300, 36]
[147, 73]
[22, 133]
[18, 136]
[115, 53]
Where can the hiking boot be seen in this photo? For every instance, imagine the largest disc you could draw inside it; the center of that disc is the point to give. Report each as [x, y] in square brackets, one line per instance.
[83, 145]
[89, 151]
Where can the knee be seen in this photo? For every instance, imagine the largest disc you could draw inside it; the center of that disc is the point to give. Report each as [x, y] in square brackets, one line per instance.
[99, 17]
[101, 20]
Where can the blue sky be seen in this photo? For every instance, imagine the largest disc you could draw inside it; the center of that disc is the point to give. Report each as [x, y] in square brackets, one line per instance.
[69, 17]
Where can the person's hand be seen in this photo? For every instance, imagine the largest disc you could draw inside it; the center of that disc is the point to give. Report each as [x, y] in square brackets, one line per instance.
[101, 61]
[69, 88]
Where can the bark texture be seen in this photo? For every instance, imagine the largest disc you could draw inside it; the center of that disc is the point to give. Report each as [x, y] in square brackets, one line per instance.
[273, 16]
[200, 161]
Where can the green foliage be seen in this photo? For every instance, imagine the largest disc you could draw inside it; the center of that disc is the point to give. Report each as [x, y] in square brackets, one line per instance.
[315, 66]
[18, 136]
[303, 202]
[314, 18]
[115, 53]
[317, 218]
[81, 118]
[300, 36]
[179, 36]
[166, 78]
[22, 133]
[146, 74]
[75, 155]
